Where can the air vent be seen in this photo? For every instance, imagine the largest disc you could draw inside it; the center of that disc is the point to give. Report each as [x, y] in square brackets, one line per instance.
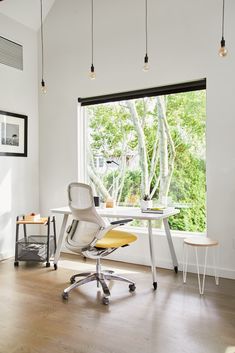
[11, 53]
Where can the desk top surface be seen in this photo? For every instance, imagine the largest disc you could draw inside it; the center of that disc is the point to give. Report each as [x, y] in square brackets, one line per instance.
[122, 212]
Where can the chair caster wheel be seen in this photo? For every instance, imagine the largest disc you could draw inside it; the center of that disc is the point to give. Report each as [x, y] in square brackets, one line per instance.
[105, 301]
[132, 287]
[55, 266]
[72, 280]
[16, 263]
[154, 285]
[48, 264]
[65, 296]
[176, 269]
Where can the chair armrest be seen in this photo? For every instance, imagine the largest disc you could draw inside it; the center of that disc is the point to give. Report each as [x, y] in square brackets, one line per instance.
[101, 233]
[121, 222]
[112, 225]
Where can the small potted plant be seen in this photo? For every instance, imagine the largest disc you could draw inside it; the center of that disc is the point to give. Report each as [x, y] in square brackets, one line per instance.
[146, 203]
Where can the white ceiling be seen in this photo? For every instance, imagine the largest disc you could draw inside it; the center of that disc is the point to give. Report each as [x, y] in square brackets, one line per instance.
[26, 12]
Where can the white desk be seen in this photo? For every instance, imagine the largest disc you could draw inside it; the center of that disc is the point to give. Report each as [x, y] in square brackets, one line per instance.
[125, 212]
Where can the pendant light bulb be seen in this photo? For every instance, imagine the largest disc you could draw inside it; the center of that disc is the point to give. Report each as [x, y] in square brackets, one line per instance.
[43, 87]
[146, 63]
[92, 73]
[146, 58]
[222, 50]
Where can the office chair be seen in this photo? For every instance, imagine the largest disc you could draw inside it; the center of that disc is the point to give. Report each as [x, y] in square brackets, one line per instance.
[90, 236]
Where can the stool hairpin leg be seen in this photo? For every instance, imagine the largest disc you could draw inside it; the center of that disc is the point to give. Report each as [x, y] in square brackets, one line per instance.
[185, 262]
[201, 287]
[198, 272]
[204, 273]
[215, 268]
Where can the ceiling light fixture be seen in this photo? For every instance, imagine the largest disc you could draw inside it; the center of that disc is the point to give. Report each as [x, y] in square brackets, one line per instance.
[146, 58]
[223, 51]
[43, 85]
[92, 73]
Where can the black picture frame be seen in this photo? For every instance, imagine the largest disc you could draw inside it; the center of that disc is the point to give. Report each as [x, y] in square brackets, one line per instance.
[13, 134]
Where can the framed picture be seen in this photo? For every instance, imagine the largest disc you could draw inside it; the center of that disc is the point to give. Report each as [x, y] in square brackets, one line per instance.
[13, 134]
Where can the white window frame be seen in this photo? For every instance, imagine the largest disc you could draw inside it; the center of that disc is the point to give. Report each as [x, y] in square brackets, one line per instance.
[82, 145]
[83, 175]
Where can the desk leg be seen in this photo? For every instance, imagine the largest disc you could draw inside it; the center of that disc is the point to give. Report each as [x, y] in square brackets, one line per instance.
[60, 240]
[152, 255]
[170, 243]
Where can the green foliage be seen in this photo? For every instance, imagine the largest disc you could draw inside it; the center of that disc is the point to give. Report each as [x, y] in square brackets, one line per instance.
[110, 128]
[186, 114]
[188, 188]
[108, 125]
[131, 185]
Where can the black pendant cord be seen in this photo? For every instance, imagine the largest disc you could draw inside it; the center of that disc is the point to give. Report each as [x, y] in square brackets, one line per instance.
[146, 27]
[223, 19]
[92, 33]
[42, 46]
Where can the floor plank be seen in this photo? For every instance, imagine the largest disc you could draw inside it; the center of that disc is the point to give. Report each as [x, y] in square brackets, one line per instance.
[175, 318]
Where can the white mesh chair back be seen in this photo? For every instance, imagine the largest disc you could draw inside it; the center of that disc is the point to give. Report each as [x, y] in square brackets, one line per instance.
[80, 196]
[81, 203]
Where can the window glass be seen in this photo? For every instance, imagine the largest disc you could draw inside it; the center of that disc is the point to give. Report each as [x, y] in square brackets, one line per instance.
[151, 148]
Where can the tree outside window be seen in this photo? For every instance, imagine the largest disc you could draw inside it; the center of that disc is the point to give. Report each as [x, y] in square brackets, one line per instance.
[157, 149]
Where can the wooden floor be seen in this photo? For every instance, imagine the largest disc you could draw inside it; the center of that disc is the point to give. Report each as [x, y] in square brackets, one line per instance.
[174, 319]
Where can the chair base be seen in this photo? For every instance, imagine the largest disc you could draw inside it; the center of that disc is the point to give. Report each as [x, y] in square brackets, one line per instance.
[100, 278]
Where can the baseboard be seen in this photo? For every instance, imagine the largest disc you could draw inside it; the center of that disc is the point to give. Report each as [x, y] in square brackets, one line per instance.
[161, 263]
[6, 255]
[222, 272]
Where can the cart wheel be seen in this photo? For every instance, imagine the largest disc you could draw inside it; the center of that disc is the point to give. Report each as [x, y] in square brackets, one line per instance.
[16, 263]
[55, 266]
[65, 296]
[48, 264]
[105, 301]
[154, 285]
[132, 287]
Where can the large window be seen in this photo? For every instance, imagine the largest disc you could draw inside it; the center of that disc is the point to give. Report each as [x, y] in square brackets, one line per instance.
[151, 147]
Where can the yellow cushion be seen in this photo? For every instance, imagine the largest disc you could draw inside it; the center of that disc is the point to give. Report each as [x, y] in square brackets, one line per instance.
[115, 239]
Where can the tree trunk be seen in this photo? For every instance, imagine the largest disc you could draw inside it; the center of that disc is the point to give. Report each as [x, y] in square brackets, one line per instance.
[143, 157]
[166, 158]
[98, 183]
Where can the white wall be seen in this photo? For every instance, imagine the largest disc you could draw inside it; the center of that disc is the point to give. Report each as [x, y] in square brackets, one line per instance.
[184, 36]
[19, 176]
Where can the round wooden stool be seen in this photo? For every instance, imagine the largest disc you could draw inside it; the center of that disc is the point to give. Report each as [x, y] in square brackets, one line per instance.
[199, 242]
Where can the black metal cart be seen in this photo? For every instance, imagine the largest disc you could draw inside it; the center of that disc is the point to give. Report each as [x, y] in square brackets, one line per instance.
[38, 248]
